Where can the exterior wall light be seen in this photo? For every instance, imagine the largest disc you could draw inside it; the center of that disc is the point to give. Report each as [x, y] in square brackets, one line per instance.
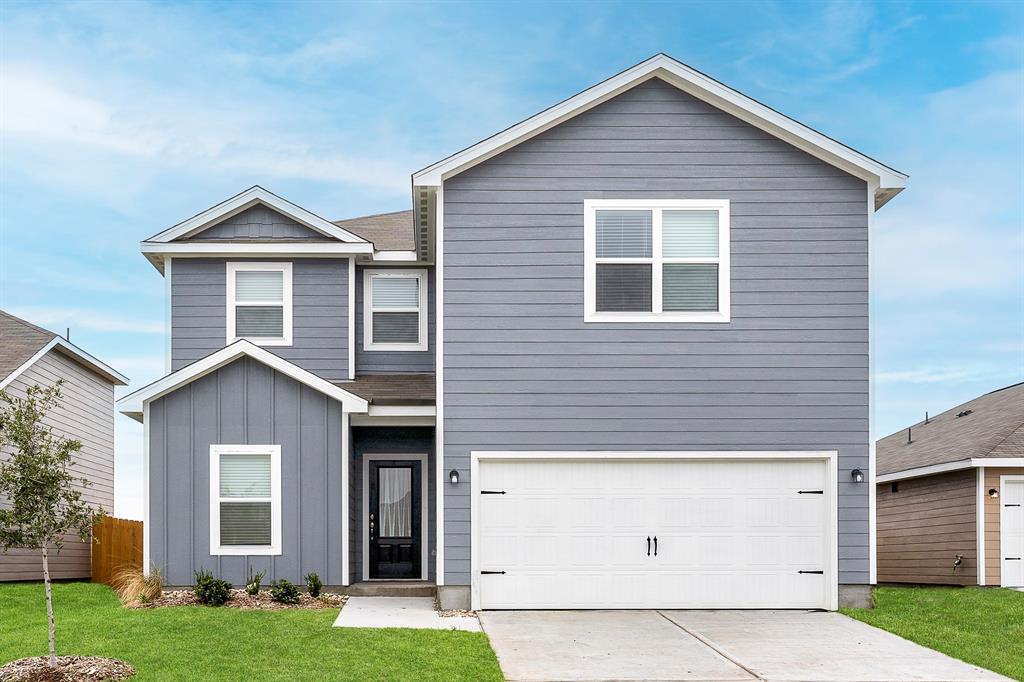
[993, 493]
[453, 476]
[857, 475]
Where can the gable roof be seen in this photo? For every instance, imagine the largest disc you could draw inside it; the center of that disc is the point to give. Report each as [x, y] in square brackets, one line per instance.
[388, 231]
[133, 403]
[886, 181]
[993, 428]
[23, 343]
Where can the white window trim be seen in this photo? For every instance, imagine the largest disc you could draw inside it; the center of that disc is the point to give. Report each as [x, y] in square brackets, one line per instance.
[286, 270]
[368, 344]
[274, 548]
[590, 208]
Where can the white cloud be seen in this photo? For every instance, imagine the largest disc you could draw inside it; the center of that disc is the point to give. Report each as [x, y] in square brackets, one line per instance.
[93, 320]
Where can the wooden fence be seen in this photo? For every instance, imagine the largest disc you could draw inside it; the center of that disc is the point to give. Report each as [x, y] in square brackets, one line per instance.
[118, 543]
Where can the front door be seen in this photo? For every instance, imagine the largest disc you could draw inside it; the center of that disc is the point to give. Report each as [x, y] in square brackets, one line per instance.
[394, 523]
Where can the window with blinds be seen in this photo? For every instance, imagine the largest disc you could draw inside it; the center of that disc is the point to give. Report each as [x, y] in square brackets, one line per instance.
[664, 260]
[259, 302]
[245, 499]
[395, 312]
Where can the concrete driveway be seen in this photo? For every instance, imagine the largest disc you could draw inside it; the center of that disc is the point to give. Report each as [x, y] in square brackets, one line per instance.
[710, 645]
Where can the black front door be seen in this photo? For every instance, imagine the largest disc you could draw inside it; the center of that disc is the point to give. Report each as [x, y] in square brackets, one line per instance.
[394, 524]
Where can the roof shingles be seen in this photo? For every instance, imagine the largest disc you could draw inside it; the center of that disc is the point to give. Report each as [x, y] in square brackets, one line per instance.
[388, 231]
[19, 341]
[392, 389]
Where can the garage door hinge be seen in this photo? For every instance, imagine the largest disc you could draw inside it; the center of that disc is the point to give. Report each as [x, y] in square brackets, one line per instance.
[810, 492]
[492, 492]
[1011, 505]
[492, 572]
[815, 572]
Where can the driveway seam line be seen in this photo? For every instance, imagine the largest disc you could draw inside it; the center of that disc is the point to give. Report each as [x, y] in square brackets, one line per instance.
[711, 645]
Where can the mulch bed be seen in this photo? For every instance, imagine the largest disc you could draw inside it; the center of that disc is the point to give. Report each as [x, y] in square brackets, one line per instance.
[240, 599]
[69, 669]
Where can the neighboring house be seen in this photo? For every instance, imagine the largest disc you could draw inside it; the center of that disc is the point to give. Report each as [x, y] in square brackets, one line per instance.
[30, 355]
[615, 356]
[953, 486]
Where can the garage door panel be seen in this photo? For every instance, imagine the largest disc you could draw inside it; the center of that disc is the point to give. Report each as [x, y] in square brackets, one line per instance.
[572, 534]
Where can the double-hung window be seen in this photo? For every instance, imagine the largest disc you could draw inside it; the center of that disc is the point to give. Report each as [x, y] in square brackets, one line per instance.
[245, 499]
[656, 260]
[259, 297]
[395, 310]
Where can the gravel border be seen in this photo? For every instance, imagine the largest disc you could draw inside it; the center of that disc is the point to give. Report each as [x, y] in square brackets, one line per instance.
[69, 669]
[240, 599]
[451, 613]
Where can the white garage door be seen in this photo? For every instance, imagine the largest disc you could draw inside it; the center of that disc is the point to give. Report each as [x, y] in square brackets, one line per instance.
[665, 533]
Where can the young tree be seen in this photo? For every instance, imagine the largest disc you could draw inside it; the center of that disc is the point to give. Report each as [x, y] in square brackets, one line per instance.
[43, 499]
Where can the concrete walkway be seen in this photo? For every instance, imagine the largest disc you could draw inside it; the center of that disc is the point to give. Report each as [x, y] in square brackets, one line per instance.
[400, 612]
[710, 645]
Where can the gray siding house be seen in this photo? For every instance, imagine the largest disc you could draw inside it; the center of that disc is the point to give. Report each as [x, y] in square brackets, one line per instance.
[30, 356]
[617, 356]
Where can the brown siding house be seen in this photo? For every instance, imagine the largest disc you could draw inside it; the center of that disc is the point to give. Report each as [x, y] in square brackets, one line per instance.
[30, 355]
[943, 486]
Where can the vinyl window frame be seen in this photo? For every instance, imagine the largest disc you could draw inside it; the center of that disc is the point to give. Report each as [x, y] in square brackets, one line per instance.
[274, 548]
[286, 301]
[369, 275]
[656, 260]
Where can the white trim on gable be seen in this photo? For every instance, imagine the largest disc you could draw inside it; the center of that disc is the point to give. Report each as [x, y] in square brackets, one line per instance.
[133, 403]
[890, 181]
[247, 199]
[75, 353]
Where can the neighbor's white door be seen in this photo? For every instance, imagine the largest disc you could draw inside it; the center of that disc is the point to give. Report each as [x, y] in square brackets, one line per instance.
[583, 534]
[1011, 533]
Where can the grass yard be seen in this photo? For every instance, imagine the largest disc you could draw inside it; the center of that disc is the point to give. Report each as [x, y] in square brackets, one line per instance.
[201, 643]
[984, 626]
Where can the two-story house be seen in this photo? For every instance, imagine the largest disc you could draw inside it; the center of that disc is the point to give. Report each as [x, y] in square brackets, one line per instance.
[616, 356]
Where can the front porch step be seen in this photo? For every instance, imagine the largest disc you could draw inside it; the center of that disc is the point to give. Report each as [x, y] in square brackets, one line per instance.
[392, 588]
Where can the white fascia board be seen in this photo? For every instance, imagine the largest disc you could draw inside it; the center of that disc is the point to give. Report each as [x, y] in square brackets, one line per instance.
[133, 403]
[250, 249]
[402, 411]
[402, 256]
[699, 85]
[918, 472]
[250, 197]
[75, 353]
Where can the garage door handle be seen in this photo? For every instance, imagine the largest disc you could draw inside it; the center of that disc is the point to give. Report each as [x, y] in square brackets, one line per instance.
[1011, 505]
[648, 545]
[810, 492]
[814, 572]
[1013, 558]
[492, 572]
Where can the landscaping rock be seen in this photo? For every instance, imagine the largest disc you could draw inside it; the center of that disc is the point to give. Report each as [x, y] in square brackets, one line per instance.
[68, 669]
[240, 599]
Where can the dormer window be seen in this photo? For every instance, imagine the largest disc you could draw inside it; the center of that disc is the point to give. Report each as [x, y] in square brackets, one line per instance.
[656, 260]
[259, 298]
[395, 310]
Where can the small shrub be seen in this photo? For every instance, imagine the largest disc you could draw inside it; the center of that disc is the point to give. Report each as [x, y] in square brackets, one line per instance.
[252, 585]
[133, 585]
[313, 584]
[209, 590]
[284, 592]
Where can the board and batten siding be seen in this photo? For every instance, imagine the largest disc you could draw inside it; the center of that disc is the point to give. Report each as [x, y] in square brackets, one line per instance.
[86, 414]
[394, 362]
[258, 223]
[319, 313]
[524, 372]
[924, 525]
[246, 403]
[993, 508]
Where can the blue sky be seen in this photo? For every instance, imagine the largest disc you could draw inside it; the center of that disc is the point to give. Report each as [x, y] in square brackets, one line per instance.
[120, 119]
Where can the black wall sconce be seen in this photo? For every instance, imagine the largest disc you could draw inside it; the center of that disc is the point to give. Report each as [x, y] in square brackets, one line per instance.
[857, 475]
[453, 476]
[993, 493]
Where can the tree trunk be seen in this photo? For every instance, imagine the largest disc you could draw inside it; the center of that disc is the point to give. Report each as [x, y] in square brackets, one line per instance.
[49, 608]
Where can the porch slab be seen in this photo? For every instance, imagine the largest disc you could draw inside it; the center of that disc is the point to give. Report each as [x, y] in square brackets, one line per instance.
[400, 612]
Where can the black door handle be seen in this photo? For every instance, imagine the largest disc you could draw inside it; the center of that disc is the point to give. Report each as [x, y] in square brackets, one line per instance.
[655, 545]
[648, 545]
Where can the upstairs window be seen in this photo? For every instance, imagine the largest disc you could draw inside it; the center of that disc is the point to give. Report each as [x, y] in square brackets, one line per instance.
[259, 297]
[656, 261]
[245, 499]
[395, 310]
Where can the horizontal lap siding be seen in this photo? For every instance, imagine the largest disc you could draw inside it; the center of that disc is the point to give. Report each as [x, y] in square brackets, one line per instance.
[319, 314]
[393, 362]
[924, 525]
[522, 370]
[86, 414]
[246, 402]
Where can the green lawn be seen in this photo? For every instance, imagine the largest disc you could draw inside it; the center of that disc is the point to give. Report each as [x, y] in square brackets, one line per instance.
[984, 626]
[200, 643]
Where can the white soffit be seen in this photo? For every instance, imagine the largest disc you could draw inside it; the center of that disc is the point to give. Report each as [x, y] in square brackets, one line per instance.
[887, 181]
